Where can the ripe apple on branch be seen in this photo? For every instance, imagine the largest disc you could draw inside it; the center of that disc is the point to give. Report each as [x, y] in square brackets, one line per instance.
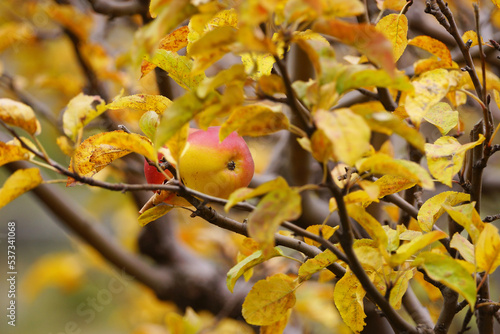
[206, 165]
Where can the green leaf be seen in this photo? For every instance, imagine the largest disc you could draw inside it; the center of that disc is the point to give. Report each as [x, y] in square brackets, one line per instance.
[359, 76]
[269, 300]
[449, 272]
[148, 123]
[247, 263]
[179, 68]
[180, 112]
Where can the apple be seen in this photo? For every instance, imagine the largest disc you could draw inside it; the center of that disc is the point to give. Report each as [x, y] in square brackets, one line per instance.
[209, 166]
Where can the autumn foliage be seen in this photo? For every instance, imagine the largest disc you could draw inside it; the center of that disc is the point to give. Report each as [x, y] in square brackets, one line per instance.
[372, 125]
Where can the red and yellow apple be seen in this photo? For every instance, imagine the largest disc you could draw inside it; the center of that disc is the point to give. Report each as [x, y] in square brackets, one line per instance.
[210, 166]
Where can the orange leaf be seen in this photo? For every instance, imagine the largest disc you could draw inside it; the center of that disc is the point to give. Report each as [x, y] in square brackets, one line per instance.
[433, 46]
[174, 41]
[364, 37]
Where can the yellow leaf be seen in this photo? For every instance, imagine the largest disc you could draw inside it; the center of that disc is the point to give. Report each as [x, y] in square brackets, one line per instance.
[15, 33]
[432, 209]
[442, 116]
[19, 114]
[18, 183]
[248, 263]
[370, 225]
[62, 270]
[348, 132]
[464, 247]
[313, 44]
[65, 145]
[355, 197]
[141, 102]
[430, 88]
[177, 143]
[391, 184]
[325, 230]
[274, 208]
[247, 193]
[446, 156]
[487, 249]
[471, 35]
[466, 216]
[496, 2]
[174, 41]
[317, 263]
[369, 256]
[388, 123]
[80, 112]
[364, 37]
[409, 249]
[399, 287]
[233, 75]
[212, 46]
[433, 46]
[10, 153]
[153, 214]
[271, 84]
[98, 151]
[396, 5]
[424, 65]
[385, 165]
[70, 17]
[321, 147]
[277, 328]
[254, 120]
[450, 272]
[395, 29]
[269, 300]
[179, 68]
[257, 64]
[348, 296]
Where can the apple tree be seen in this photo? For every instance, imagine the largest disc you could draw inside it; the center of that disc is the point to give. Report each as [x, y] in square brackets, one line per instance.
[372, 126]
